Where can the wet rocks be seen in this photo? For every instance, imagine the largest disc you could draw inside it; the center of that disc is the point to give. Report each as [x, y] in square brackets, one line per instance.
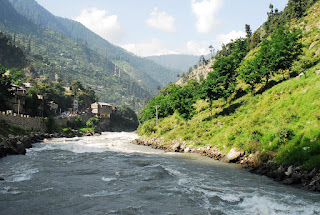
[288, 175]
[17, 145]
[182, 147]
[233, 156]
[291, 175]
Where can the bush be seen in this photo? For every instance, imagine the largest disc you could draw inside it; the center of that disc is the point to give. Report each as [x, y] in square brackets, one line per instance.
[51, 127]
[147, 128]
[93, 123]
[76, 123]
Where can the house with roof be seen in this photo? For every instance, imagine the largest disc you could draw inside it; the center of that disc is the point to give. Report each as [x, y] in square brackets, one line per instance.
[102, 110]
[18, 101]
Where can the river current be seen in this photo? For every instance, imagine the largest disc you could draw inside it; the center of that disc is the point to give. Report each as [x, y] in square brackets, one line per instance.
[108, 175]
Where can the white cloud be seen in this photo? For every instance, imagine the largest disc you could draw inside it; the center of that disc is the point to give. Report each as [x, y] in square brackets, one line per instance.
[226, 38]
[162, 21]
[205, 12]
[99, 22]
[202, 47]
[149, 48]
[197, 47]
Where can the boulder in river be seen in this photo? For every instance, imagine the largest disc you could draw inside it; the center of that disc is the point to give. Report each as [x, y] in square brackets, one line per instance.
[233, 156]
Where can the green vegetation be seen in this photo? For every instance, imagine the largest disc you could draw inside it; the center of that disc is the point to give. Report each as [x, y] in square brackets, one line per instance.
[280, 118]
[124, 119]
[11, 56]
[93, 123]
[5, 85]
[6, 129]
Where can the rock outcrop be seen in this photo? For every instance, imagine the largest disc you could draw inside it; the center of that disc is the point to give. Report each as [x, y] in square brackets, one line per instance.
[17, 145]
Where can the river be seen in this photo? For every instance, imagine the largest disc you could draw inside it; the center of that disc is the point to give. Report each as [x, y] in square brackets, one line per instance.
[108, 175]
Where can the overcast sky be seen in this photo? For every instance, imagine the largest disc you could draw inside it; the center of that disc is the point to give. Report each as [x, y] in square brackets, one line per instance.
[155, 27]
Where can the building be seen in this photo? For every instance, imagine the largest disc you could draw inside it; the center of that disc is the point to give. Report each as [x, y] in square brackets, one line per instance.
[19, 99]
[103, 110]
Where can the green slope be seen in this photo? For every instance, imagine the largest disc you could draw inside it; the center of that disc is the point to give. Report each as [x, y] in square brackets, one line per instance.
[281, 124]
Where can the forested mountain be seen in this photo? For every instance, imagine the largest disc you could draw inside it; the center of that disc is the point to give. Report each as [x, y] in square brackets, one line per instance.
[145, 71]
[11, 56]
[53, 54]
[178, 62]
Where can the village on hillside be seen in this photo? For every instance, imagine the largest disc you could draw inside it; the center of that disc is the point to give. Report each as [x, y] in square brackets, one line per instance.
[20, 105]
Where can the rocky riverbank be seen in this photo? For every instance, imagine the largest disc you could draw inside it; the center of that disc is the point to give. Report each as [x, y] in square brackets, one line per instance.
[17, 145]
[288, 175]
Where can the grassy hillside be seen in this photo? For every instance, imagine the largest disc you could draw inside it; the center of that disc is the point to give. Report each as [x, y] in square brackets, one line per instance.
[279, 123]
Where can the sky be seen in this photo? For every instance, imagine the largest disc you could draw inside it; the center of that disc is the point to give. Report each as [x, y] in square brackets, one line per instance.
[157, 27]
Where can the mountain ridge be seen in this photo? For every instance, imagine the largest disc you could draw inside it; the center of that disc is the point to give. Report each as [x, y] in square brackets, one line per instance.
[149, 73]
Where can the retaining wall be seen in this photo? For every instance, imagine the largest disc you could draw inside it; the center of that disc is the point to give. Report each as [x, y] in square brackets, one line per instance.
[39, 123]
[24, 121]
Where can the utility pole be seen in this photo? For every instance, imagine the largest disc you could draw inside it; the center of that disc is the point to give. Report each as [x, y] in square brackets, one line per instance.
[156, 107]
[18, 106]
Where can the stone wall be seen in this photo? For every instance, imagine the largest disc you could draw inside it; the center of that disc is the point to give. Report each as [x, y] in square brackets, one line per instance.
[24, 121]
[39, 123]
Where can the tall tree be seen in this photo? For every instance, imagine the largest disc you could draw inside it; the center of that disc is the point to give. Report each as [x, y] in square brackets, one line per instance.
[285, 48]
[248, 31]
[251, 72]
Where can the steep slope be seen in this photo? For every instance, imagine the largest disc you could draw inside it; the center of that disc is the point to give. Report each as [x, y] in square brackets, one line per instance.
[144, 71]
[279, 124]
[10, 55]
[198, 73]
[56, 53]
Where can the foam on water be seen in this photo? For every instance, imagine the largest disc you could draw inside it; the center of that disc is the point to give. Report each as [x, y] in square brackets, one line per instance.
[136, 175]
[108, 141]
[106, 179]
[10, 190]
[258, 204]
[104, 193]
[19, 173]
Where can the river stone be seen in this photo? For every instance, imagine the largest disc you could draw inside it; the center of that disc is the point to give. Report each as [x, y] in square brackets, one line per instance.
[233, 155]
[289, 171]
[288, 181]
[313, 173]
[175, 147]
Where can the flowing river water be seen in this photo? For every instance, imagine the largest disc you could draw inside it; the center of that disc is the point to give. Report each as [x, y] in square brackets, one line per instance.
[108, 175]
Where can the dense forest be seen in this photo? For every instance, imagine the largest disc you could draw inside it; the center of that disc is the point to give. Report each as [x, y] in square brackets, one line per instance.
[250, 98]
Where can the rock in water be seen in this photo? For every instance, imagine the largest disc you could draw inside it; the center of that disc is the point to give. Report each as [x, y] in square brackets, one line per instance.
[233, 155]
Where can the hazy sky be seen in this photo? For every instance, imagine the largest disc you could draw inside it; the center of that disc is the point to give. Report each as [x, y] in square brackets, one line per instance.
[154, 27]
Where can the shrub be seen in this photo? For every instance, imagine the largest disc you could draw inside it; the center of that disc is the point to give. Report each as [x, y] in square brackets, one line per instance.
[93, 123]
[147, 128]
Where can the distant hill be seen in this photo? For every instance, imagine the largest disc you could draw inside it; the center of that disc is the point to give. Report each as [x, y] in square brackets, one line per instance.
[144, 71]
[176, 61]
